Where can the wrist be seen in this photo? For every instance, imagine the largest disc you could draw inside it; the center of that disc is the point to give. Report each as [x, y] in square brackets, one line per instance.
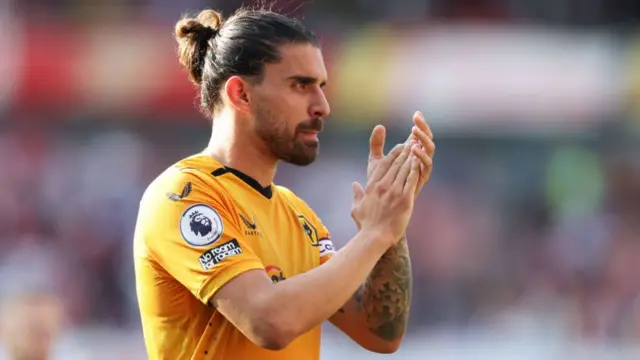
[381, 240]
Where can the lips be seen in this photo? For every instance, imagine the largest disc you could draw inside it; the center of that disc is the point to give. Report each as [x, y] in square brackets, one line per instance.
[314, 126]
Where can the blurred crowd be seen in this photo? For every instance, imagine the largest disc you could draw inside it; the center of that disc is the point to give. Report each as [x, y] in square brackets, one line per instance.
[517, 232]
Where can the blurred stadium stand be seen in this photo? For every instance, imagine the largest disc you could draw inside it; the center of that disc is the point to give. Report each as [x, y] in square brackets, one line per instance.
[525, 244]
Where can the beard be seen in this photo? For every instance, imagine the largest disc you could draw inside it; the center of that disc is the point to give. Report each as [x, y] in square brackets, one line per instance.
[284, 144]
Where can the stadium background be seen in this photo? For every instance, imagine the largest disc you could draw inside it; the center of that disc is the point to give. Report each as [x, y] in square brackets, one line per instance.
[525, 244]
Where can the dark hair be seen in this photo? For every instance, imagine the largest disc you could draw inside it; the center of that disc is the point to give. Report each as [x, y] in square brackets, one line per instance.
[212, 49]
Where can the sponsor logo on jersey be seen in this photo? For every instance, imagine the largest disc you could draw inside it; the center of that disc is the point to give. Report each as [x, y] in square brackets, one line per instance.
[186, 190]
[275, 273]
[201, 225]
[251, 228]
[213, 256]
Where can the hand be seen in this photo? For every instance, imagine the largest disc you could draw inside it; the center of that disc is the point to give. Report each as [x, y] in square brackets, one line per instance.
[385, 205]
[420, 134]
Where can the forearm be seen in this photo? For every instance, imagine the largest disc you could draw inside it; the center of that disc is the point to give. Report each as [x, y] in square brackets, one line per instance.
[386, 294]
[306, 300]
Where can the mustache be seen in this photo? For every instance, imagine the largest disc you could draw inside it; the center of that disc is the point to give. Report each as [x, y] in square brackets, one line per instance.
[315, 124]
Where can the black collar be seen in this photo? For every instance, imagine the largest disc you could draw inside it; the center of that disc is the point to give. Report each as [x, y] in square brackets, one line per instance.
[265, 191]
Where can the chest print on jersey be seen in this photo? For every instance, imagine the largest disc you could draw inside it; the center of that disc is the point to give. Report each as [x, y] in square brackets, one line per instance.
[275, 273]
[310, 231]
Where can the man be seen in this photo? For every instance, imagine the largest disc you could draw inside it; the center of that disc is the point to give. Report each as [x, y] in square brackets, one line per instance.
[32, 314]
[30, 324]
[229, 265]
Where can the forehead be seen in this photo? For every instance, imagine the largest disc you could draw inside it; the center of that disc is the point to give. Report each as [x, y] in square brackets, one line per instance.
[299, 60]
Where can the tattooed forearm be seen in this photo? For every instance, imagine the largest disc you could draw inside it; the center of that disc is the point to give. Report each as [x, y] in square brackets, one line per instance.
[357, 297]
[386, 294]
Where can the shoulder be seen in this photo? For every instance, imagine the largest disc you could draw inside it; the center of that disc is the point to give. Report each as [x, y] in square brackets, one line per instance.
[185, 181]
[297, 203]
[293, 199]
[285, 192]
[183, 192]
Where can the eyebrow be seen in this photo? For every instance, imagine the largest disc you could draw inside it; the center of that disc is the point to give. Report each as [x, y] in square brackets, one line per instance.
[307, 80]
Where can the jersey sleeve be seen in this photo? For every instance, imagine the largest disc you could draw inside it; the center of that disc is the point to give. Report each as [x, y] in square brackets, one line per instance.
[325, 244]
[196, 237]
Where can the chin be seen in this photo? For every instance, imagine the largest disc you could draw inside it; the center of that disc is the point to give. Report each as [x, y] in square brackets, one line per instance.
[302, 154]
[302, 158]
[301, 161]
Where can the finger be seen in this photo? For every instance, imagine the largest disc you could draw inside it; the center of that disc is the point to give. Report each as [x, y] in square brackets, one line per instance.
[376, 142]
[422, 156]
[427, 144]
[397, 164]
[358, 192]
[421, 123]
[413, 177]
[385, 163]
[426, 165]
[403, 173]
[358, 195]
[411, 137]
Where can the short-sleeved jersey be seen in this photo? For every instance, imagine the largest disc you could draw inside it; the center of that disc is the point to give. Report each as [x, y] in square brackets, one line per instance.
[201, 224]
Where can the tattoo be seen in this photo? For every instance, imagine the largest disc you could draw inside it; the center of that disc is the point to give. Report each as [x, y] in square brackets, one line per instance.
[357, 297]
[386, 295]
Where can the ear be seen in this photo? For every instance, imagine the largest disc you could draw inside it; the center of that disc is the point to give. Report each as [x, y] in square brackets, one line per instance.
[237, 91]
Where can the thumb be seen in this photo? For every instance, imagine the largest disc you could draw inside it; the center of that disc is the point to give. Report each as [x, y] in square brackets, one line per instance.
[376, 142]
[358, 192]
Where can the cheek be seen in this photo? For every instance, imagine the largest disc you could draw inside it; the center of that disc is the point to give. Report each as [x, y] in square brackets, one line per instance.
[278, 116]
[288, 105]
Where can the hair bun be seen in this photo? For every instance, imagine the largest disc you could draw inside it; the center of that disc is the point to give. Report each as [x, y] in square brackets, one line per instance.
[193, 36]
[211, 18]
[190, 29]
[206, 24]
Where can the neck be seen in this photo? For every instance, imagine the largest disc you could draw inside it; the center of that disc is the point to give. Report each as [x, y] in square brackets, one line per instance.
[237, 147]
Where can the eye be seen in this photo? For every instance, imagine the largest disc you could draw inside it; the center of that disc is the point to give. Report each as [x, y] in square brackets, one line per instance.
[299, 85]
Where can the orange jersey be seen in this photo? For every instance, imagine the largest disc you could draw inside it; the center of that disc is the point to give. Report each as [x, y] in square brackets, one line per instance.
[200, 225]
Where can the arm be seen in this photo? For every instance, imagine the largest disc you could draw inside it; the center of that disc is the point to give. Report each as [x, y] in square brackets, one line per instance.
[273, 315]
[376, 315]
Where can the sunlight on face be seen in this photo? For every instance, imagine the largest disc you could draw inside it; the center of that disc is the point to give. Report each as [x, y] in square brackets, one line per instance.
[289, 105]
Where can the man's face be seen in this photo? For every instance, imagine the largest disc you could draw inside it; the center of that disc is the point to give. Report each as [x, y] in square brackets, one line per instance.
[289, 105]
[30, 325]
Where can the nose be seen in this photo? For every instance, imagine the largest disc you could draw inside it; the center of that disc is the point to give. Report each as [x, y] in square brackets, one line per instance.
[320, 106]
